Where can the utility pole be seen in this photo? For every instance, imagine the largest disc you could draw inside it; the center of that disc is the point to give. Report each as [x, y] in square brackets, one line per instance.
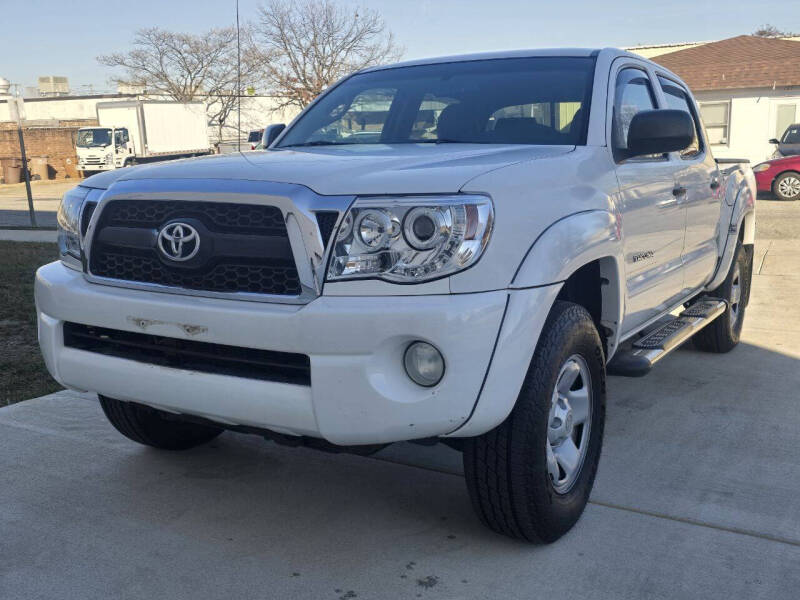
[17, 114]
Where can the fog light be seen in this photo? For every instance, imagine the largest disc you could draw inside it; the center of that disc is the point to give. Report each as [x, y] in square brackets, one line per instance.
[424, 364]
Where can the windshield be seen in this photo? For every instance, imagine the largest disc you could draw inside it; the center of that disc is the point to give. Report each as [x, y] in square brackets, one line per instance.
[542, 100]
[791, 135]
[93, 138]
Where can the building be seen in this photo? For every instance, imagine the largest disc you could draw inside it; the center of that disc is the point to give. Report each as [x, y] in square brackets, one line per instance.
[659, 49]
[53, 86]
[748, 89]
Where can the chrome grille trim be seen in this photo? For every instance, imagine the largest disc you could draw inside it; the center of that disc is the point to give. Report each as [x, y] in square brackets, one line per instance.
[298, 205]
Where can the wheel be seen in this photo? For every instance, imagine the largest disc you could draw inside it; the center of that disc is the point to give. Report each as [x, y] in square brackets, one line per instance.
[531, 476]
[723, 333]
[787, 186]
[155, 428]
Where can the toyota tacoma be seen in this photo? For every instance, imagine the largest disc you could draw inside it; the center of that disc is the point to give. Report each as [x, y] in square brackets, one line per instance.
[452, 250]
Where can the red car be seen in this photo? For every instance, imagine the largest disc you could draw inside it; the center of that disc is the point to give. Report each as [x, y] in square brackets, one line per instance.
[780, 177]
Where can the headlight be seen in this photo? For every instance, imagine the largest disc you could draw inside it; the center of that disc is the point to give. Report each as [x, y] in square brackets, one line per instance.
[109, 158]
[761, 167]
[69, 226]
[410, 240]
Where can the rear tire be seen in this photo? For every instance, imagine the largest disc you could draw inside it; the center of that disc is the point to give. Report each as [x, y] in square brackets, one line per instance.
[514, 473]
[155, 428]
[723, 334]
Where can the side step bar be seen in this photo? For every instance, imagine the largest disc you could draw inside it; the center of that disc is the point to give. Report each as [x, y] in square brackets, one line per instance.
[637, 360]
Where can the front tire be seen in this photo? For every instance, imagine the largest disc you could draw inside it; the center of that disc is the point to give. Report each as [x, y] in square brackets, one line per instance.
[787, 186]
[723, 334]
[155, 428]
[531, 476]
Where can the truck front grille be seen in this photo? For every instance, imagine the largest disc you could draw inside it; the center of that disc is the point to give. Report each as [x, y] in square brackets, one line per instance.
[243, 247]
[219, 359]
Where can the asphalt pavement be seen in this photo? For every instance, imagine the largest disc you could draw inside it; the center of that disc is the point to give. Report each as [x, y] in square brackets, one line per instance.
[696, 495]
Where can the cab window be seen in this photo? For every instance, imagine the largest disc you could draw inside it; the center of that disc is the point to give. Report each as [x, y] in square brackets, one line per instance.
[536, 100]
[678, 99]
[633, 93]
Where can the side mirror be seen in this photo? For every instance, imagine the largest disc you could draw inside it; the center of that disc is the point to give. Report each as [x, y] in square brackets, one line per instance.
[774, 141]
[659, 131]
[271, 133]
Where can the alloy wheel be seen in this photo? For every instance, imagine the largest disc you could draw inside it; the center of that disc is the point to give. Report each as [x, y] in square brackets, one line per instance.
[569, 423]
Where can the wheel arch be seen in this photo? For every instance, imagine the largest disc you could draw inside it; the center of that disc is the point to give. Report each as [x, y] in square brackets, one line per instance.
[583, 252]
[598, 286]
[741, 228]
[589, 271]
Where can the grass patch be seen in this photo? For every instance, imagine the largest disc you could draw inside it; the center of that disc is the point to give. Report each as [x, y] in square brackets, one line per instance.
[22, 371]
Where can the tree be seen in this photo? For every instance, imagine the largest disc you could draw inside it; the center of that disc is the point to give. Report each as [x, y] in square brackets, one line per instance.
[189, 67]
[310, 44]
[770, 31]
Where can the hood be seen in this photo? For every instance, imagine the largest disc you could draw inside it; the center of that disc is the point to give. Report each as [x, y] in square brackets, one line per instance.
[358, 169]
[782, 161]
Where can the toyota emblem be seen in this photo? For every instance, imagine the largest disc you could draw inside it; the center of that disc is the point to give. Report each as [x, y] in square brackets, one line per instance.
[178, 241]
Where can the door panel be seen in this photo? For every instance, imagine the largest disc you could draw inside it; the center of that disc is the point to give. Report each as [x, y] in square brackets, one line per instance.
[653, 222]
[703, 209]
[653, 219]
[696, 173]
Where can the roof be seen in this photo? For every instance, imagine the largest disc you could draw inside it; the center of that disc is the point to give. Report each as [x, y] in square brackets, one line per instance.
[488, 56]
[659, 49]
[744, 61]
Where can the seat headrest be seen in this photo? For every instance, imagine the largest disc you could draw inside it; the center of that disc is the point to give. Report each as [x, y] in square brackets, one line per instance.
[455, 123]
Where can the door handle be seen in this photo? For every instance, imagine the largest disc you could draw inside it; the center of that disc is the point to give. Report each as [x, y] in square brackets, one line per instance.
[678, 190]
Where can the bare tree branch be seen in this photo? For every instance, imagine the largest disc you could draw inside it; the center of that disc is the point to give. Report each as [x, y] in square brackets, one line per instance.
[313, 43]
[190, 67]
[770, 31]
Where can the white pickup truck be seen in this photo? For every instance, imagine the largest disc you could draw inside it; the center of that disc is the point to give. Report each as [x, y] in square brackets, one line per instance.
[453, 250]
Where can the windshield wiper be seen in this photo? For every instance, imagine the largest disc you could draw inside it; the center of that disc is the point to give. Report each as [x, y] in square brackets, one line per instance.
[318, 143]
[443, 141]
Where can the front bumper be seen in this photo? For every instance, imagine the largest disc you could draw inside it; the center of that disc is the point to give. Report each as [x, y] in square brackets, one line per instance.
[96, 167]
[359, 392]
[764, 180]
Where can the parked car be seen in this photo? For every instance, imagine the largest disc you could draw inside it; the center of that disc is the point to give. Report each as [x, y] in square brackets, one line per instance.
[789, 143]
[254, 138]
[473, 286]
[780, 177]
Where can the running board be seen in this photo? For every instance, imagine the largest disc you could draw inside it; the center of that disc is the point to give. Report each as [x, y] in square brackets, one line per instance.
[637, 360]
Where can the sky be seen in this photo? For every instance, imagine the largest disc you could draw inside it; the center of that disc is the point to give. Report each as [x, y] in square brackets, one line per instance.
[52, 37]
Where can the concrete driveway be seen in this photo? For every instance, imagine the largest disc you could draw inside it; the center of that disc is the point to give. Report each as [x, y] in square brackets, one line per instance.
[697, 496]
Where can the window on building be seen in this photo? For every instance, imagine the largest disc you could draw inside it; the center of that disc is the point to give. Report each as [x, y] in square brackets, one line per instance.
[678, 99]
[717, 119]
[784, 118]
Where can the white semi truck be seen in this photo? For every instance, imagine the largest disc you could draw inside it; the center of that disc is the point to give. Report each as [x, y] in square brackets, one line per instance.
[140, 131]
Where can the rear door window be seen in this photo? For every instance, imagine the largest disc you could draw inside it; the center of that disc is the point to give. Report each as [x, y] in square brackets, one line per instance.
[678, 99]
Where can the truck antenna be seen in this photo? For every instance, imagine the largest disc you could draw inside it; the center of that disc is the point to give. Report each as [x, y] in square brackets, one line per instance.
[238, 83]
